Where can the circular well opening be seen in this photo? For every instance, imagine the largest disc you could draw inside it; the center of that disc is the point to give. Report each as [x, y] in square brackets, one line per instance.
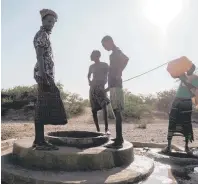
[75, 134]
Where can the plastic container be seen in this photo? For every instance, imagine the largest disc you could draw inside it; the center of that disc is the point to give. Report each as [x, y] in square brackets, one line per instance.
[179, 66]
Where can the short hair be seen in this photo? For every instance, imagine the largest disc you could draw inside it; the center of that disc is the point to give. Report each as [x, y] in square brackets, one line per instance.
[191, 70]
[96, 53]
[107, 38]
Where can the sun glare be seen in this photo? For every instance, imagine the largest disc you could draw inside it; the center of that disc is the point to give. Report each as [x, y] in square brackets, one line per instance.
[162, 12]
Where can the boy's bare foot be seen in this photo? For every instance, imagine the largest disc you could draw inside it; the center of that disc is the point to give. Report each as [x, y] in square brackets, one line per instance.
[107, 132]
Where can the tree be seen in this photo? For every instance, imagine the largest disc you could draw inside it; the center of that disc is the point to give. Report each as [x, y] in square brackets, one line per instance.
[149, 99]
[86, 102]
[165, 99]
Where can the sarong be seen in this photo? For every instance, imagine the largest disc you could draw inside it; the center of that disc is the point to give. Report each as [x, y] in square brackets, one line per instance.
[180, 119]
[117, 98]
[98, 97]
[49, 109]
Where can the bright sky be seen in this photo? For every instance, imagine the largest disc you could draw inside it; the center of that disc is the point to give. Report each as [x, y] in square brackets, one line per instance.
[150, 34]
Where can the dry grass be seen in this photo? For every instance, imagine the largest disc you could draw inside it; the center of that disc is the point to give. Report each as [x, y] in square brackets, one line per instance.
[154, 132]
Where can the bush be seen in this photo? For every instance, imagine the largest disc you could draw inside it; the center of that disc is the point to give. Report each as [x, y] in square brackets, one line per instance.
[165, 99]
[86, 103]
[73, 103]
[134, 106]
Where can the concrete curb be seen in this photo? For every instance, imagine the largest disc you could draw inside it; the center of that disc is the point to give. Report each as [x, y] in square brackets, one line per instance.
[171, 160]
[155, 145]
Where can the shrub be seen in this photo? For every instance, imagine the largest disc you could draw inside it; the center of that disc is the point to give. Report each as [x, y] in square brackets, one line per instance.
[164, 100]
[134, 106]
[73, 103]
[86, 103]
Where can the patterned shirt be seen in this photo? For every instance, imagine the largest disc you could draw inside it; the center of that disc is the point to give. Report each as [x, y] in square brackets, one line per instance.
[42, 39]
[116, 58]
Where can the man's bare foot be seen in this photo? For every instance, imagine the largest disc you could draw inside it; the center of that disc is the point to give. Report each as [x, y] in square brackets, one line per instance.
[107, 132]
[115, 145]
[166, 150]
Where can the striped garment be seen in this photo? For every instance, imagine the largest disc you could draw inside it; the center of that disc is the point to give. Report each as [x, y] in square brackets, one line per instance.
[180, 119]
[98, 97]
[49, 106]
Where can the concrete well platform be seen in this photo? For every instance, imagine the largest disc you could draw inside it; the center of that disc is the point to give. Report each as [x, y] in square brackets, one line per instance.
[71, 158]
[138, 170]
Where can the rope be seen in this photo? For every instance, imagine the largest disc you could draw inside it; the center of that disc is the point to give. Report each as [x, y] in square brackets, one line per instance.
[146, 72]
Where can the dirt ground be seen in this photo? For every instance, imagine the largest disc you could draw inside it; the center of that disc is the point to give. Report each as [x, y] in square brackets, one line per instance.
[156, 130]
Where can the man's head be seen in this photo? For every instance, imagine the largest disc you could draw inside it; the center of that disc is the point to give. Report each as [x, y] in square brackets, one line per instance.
[49, 17]
[108, 43]
[191, 70]
[95, 56]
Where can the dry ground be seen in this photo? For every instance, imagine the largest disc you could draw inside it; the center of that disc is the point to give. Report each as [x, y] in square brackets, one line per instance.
[155, 131]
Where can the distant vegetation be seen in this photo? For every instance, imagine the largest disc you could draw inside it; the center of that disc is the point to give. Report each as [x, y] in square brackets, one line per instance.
[136, 106]
[22, 98]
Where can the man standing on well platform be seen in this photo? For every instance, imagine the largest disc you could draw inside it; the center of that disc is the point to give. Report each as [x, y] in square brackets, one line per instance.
[118, 62]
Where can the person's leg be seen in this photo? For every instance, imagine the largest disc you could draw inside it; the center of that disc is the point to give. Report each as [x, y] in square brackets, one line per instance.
[167, 149]
[118, 141]
[117, 102]
[169, 144]
[39, 133]
[186, 145]
[119, 138]
[39, 142]
[95, 118]
[105, 115]
[186, 113]
[171, 127]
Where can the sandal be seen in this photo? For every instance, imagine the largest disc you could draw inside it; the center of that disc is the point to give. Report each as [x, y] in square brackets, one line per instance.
[41, 147]
[44, 146]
